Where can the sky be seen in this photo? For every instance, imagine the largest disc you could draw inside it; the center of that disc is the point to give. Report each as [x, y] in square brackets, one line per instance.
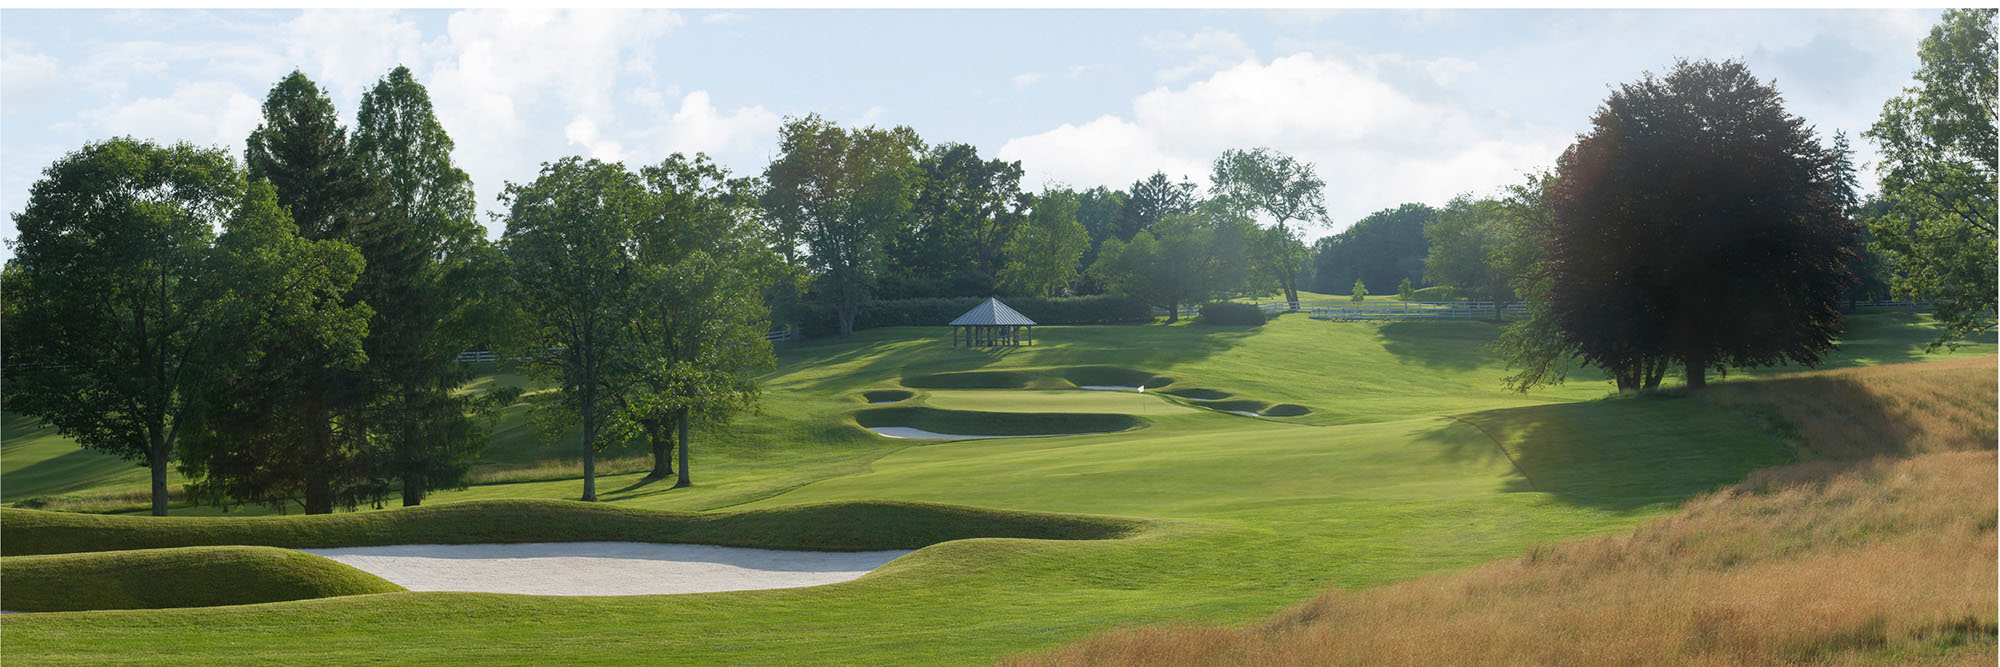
[1390, 106]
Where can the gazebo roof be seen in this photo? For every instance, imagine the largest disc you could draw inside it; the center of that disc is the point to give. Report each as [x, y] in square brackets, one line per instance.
[992, 313]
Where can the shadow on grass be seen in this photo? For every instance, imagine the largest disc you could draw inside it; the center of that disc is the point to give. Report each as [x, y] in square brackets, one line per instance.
[908, 351]
[1621, 453]
[1451, 345]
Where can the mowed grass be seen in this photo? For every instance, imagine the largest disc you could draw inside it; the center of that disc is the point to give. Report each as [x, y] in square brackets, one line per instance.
[1393, 476]
[182, 577]
[1880, 550]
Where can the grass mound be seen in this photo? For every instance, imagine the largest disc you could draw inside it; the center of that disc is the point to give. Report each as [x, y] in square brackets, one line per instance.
[1199, 394]
[178, 577]
[970, 380]
[887, 395]
[1895, 409]
[969, 422]
[836, 526]
[1112, 376]
[1261, 408]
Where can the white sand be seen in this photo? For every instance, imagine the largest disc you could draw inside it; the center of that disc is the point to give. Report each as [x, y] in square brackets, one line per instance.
[603, 568]
[1246, 413]
[1111, 387]
[908, 433]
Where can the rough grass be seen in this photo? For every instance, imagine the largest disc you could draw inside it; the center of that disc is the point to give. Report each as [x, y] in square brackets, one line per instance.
[1857, 557]
[848, 526]
[968, 422]
[554, 469]
[179, 577]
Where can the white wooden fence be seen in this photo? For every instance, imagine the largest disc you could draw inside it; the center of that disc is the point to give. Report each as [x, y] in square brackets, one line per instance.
[1412, 310]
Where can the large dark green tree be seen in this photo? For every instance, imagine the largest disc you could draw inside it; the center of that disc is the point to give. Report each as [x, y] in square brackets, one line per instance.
[429, 267]
[1186, 258]
[964, 211]
[844, 193]
[1938, 174]
[1698, 223]
[572, 250]
[271, 432]
[112, 299]
[1275, 185]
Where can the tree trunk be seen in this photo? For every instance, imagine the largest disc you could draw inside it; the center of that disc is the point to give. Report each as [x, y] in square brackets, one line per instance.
[1656, 370]
[319, 480]
[663, 451]
[156, 459]
[413, 478]
[1291, 295]
[682, 426]
[846, 316]
[589, 451]
[1697, 370]
[1173, 312]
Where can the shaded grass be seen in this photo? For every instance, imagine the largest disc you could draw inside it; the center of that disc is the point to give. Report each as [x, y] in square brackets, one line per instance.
[967, 422]
[855, 526]
[177, 577]
[1896, 410]
[887, 395]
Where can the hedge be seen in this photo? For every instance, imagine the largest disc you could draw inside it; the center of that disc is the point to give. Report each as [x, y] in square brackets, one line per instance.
[818, 319]
[1222, 312]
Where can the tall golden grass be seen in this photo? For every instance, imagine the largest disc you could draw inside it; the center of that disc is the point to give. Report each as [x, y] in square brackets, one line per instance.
[1845, 560]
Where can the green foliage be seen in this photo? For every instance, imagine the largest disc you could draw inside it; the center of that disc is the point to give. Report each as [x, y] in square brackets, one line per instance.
[178, 577]
[1185, 258]
[569, 238]
[1383, 248]
[431, 278]
[112, 298]
[964, 214]
[1042, 257]
[1150, 199]
[1358, 292]
[1405, 291]
[1938, 174]
[302, 150]
[272, 433]
[1698, 223]
[1226, 312]
[1464, 240]
[1274, 184]
[842, 194]
[815, 321]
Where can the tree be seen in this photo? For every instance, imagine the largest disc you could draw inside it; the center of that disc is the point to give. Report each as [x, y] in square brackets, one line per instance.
[1358, 292]
[570, 242]
[1043, 256]
[702, 318]
[1285, 189]
[266, 436]
[964, 211]
[846, 192]
[1406, 292]
[1152, 198]
[1938, 175]
[1098, 209]
[1465, 239]
[304, 153]
[1383, 248]
[1534, 346]
[1698, 223]
[1186, 258]
[429, 267]
[112, 300]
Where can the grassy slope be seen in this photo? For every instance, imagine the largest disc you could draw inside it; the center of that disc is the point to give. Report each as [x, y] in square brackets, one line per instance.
[1373, 486]
[181, 577]
[1810, 563]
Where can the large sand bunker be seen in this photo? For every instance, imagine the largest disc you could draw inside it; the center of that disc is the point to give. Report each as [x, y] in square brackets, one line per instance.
[603, 568]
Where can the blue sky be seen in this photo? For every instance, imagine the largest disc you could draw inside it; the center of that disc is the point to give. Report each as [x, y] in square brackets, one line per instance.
[1392, 106]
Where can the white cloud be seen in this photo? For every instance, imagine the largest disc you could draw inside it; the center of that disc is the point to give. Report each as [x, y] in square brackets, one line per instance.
[1025, 79]
[347, 51]
[1207, 50]
[29, 79]
[207, 113]
[1374, 144]
[1077, 71]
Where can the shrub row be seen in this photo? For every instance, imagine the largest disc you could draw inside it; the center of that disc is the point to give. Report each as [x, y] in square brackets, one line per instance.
[1223, 312]
[816, 320]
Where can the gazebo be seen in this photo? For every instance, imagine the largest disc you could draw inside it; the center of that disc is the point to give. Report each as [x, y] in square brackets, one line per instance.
[992, 324]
